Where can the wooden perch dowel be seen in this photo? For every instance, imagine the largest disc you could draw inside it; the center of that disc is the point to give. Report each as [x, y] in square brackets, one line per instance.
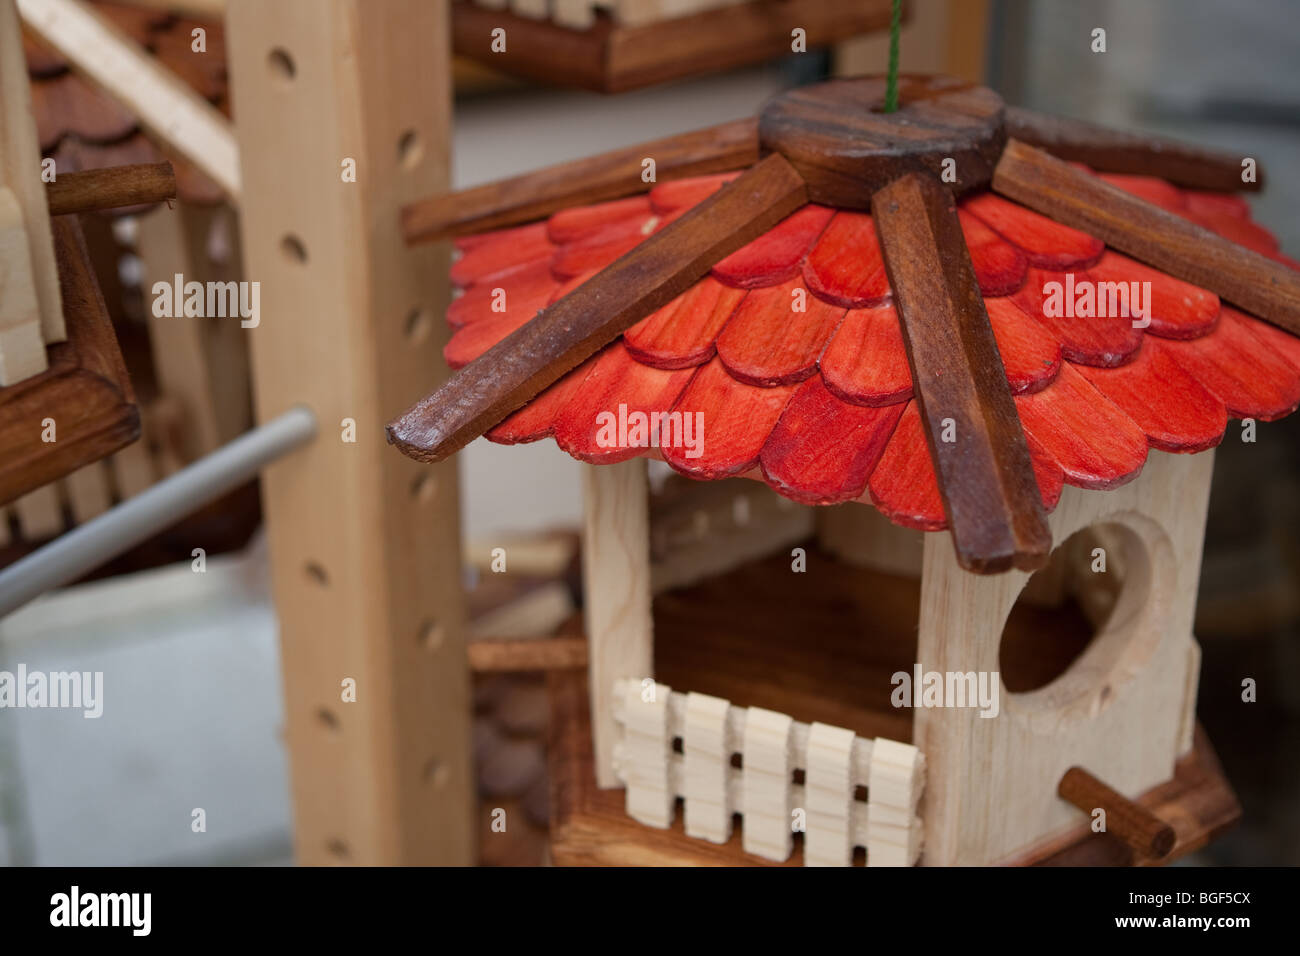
[1114, 151]
[1146, 232]
[93, 189]
[1137, 826]
[612, 175]
[981, 458]
[571, 330]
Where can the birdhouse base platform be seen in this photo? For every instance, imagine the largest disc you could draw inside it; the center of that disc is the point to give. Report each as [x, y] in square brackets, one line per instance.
[821, 646]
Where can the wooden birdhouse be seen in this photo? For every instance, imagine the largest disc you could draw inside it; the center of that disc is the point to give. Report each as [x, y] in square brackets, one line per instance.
[1027, 332]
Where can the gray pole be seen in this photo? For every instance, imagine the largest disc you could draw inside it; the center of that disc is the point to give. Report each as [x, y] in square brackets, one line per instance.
[87, 546]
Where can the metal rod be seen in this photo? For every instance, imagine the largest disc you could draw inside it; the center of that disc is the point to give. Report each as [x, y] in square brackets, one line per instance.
[88, 546]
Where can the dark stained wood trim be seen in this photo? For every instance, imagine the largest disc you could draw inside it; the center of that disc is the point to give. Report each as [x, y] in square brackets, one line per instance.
[612, 175]
[1146, 232]
[112, 188]
[1114, 151]
[985, 476]
[85, 390]
[568, 332]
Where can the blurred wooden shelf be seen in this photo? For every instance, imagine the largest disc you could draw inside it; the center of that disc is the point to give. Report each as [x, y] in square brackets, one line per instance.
[610, 58]
[85, 390]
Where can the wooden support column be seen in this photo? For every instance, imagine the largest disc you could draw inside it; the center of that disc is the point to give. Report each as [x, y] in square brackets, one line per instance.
[364, 542]
[616, 593]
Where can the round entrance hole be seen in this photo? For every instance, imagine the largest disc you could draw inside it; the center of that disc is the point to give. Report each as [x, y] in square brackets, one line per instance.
[1087, 622]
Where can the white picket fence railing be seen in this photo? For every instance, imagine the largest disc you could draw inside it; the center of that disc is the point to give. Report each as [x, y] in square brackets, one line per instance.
[825, 806]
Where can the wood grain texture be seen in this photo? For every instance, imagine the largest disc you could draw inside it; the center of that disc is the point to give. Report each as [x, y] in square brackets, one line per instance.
[846, 148]
[85, 389]
[366, 545]
[614, 56]
[616, 589]
[534, 356]
[20, 165]
[1150, 234]
[1119, 708]
[1113, 151]
[612, 175]
[143, 183]
[540, 654]
[985, 476]
[1137, 826]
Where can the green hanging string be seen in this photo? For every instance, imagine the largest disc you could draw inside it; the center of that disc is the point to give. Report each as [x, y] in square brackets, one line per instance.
[891, 79]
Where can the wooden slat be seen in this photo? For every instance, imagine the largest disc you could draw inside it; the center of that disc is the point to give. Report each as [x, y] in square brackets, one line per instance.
[1114, 151]
[20, 165]
[611, 55]
[166, 106]
[22, 346]
[567, 333]
[985, 475]
[610, 175]
[1148, 233]
[85, 390]
[137, 184]
[364, 544]
[616, 589]
[527, 654]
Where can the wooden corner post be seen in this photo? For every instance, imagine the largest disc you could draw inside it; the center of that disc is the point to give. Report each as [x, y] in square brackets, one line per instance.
[343, 113]
[616, 593]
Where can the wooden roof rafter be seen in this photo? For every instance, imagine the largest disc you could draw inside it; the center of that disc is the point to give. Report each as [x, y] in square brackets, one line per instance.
[817, 134]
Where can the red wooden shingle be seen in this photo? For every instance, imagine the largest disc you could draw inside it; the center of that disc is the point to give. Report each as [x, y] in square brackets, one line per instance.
[617, 385]
[570, 225]
[734, 420]
[771, 340]
[536, 420]
[999, 265]
[1241, 369]
[776, 255]
[1088, 340]
[845, 266]
[681, 194]
[525, 290]
[1047, 244]
[1093, 441]
[1178, 310]
[1031, 355]
[683, 332]
[823, 449]
[503, 253]
[866, 361]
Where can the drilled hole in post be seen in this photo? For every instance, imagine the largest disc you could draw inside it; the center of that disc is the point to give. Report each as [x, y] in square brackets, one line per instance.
[327, 719]
[316, 573]
[281, 64]
[418, 325]
[409, 150]
[435, 773]
[293, 249]
[424, 487]
[338, 849]
[432, 634]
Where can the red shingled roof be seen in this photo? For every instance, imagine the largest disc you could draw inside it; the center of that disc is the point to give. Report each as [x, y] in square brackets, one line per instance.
[819, 403]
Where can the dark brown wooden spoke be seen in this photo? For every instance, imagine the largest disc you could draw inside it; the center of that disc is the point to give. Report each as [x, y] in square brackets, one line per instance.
[591, 316]
[1146, 232]
[1113, 151]
[112, 188]
[984, 472]
[612, 175]
[1133, 823]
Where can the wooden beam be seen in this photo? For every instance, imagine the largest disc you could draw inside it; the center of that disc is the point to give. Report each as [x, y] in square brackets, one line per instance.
[135, 185]
[567, 333]
[86, 390]
[20, 173]
[365, 544]
[1131, 822]
[527, 654]
[616, 593]
[980, 455]
[165, 105]
[611, 175]
[1115, 151]
[1146, 232]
